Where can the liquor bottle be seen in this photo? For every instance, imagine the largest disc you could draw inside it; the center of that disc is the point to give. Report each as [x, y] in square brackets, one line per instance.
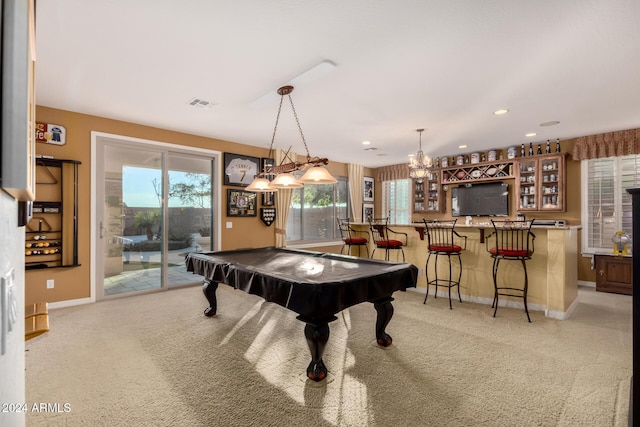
[557, 145]
[539, 149]
[548, 147]
[531, 148]
[522, 150]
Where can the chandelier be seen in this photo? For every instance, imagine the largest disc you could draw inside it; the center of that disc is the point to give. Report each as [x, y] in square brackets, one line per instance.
[315, 172]
[420, 164]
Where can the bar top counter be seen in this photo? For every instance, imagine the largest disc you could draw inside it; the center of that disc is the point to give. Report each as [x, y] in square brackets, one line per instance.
[553, 268]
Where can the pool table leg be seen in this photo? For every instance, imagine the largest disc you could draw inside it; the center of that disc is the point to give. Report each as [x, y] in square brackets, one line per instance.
[209, 288]
[317, 334]
[385, 312]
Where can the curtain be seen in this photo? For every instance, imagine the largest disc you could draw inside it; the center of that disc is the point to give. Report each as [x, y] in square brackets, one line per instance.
[283, 203]
[393, 172]
[610, 144]
[356, 178]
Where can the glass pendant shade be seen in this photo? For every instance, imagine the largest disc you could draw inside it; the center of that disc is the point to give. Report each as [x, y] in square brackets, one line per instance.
[285, 180]
[420, 165]
[260, 185]
[318, 175]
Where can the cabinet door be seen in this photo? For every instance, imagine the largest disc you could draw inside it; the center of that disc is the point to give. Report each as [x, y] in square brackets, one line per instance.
[418, 198]
[552, 183]
[527, 184]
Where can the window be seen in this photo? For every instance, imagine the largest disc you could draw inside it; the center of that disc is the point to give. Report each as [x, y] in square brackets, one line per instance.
[606, 205]
[395, 201]
[314, 211]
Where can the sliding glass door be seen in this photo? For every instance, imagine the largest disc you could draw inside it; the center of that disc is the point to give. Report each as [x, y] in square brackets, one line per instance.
[153, 208]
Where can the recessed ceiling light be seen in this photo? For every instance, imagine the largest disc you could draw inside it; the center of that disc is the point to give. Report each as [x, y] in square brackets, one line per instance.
[499, 112]
[551, 123]
[366, 142]
[462, 146]
[530, 134]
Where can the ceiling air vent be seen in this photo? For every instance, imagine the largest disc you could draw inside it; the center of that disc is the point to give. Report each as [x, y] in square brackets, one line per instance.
[200, 103]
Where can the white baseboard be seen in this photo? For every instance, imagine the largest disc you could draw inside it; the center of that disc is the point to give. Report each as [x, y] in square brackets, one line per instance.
[559, 315]
[69, 303]
[586, 284]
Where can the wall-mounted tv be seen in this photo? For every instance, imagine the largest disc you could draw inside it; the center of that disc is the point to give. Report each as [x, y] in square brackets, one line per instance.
[485, 199]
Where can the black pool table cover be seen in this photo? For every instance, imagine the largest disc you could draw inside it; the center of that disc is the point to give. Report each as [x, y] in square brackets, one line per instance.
[315, 285]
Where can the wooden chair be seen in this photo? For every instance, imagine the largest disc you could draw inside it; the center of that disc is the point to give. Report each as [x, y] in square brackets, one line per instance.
[385, 238]
[441, 240]
[352, 237]
[511, 241]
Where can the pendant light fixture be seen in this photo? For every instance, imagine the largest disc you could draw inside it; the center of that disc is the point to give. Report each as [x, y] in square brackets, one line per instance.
[315, 173]
[420, 164]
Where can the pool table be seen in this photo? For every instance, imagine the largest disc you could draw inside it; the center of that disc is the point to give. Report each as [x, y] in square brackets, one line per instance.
[315, 285]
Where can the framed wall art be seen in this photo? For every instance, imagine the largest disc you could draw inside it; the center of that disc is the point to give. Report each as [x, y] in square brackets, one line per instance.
[367, 212]
[241, 203]
[240, 169]
[368, 189]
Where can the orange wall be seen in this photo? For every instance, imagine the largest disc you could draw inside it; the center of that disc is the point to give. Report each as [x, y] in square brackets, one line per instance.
[74, 283]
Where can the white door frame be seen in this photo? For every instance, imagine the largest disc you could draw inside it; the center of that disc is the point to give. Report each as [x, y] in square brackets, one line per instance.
[100, 136]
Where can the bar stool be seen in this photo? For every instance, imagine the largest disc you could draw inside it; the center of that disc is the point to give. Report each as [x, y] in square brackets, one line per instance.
[351, 237]
[440, 241]
[512, 241]
[382, 235]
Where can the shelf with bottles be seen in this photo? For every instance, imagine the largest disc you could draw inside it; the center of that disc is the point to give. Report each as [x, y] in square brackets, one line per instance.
[427, 194]
[540, 183]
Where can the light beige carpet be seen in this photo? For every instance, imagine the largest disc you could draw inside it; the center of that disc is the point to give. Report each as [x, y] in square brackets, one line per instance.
[156, 360]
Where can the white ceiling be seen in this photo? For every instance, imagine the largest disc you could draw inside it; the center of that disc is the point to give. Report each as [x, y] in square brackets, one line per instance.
[400, 65]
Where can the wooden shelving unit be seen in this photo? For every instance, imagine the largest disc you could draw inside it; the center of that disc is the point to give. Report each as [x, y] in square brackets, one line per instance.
[52, 233]
[540, 183]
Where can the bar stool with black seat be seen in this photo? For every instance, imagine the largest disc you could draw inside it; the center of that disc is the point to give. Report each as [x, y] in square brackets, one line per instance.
[385, 238]
[351, 237]
[512, 241]
[441, 240]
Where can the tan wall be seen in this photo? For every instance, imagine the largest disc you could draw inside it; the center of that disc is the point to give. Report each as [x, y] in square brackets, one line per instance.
[74, 283]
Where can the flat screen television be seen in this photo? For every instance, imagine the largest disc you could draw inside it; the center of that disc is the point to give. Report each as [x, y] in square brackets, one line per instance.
[485, 199]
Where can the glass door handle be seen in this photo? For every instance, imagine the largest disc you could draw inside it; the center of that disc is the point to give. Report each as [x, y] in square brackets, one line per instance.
[102, 230]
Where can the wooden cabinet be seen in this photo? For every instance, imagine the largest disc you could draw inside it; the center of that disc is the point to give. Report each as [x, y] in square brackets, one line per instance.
[51, 235]
[540, 183]
[427, 194]
[614, 273]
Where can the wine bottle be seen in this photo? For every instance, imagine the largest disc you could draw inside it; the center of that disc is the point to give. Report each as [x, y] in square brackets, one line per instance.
[531, 148]
[548, 147]
[539, 149]
[557, 145]
[522, 150]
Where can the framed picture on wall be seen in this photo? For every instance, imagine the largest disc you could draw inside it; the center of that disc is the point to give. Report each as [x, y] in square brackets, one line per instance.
[268, 198]
[368, 189]
[241, 203]
[367, 212]
[239, 169]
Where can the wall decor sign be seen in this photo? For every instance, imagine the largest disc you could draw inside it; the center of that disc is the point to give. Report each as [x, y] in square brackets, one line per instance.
[368, 189]
[239, 169]
[268, 215]
[241, 203]
[51, 134]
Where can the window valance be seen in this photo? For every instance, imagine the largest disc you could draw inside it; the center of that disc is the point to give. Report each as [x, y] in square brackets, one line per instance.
[610, 144]
[393, 172]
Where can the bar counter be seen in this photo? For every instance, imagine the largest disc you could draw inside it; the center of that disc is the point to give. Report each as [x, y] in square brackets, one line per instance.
[552, 270]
